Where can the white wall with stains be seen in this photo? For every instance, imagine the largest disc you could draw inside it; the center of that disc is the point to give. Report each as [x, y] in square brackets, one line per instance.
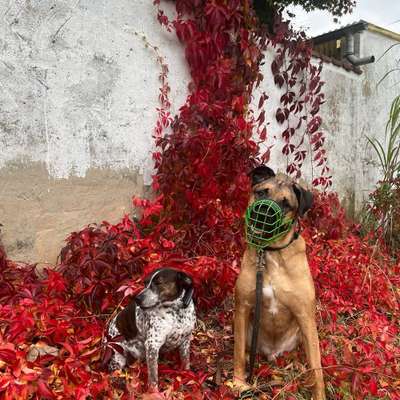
[78, 98]
[355, 107]
[78, 88]
[375, 101]
[339, 120]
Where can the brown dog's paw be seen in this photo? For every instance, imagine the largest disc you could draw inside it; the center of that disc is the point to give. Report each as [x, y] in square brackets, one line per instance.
[153, 396]
[241, 385]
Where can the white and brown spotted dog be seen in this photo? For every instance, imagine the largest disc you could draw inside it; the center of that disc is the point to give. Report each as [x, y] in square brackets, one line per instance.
[161, 317]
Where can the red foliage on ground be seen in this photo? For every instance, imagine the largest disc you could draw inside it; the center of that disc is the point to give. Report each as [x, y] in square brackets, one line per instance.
[357, 286]
[50, 338]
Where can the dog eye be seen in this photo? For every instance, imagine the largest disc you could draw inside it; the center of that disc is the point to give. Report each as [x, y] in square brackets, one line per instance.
[261, 193]
[285, 203]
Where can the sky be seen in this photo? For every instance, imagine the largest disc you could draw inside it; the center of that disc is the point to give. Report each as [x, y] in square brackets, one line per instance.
[384, 13]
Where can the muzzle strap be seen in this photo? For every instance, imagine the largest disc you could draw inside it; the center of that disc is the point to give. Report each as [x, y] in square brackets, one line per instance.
[295, 236]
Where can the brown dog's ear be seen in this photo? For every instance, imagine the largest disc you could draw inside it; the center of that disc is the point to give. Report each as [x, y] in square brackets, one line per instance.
[187, 285]
[304, 198]
[260, 174]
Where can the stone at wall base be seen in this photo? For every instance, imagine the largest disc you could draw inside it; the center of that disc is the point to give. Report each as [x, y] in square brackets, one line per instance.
[38, 212]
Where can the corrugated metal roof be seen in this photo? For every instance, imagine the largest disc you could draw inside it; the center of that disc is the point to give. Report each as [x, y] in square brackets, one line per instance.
[354, 28]
[339, 33]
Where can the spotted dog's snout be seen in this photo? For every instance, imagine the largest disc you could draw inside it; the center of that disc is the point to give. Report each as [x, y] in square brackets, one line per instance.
[139, 298]
[147, 298]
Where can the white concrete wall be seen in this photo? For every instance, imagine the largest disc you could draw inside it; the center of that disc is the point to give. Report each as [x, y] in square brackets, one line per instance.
[375, 101]
[341, 89]
[78, 88]
[78, 98]
[355, 108]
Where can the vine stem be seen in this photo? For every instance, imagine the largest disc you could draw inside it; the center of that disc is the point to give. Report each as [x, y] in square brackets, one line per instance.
[164, 119]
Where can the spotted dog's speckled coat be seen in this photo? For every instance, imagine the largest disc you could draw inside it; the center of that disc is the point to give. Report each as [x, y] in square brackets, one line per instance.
[163, 320]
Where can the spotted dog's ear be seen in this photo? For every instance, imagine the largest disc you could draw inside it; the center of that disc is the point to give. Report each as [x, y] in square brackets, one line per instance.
[304, 198]
[187, 285]
[260, 174]
[148, 279]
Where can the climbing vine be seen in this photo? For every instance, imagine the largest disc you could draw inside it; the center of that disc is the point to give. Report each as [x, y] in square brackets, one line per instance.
[202, 164]
[300, 78]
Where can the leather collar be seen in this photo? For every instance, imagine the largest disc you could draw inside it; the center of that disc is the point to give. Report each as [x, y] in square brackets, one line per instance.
[294, 237]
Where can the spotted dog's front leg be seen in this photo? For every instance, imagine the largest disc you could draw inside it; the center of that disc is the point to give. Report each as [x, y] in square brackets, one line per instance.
[184, 352]
[152, 346]
[117, 361]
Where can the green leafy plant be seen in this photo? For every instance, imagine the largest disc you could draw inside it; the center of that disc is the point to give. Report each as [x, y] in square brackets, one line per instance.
[389, 157]
[383, 210]
[335, 7]
[393, 70]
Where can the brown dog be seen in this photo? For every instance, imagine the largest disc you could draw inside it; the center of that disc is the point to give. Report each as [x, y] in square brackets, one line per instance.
[288, 303]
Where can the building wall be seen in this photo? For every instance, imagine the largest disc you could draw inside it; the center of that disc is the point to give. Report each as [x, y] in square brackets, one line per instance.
[355, 108]
[339, 116]
[78, 97]
[375, 101]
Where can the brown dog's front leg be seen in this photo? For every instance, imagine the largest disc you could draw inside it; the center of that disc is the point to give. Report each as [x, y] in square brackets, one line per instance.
[242, 314]
[308, 327]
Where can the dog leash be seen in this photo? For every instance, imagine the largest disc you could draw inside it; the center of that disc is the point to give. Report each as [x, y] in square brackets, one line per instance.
[261, 266]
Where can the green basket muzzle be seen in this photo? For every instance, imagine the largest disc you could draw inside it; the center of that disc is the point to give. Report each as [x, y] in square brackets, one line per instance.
[265, 223]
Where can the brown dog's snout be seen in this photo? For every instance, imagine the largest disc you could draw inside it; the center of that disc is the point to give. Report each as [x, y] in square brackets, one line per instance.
[265, 225]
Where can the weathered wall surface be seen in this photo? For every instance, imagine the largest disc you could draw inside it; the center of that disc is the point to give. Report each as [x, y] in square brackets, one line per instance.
[374, 102]
[38, 212]
[355, 107]
[78, 98]
[79, 89]
[339, 124]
